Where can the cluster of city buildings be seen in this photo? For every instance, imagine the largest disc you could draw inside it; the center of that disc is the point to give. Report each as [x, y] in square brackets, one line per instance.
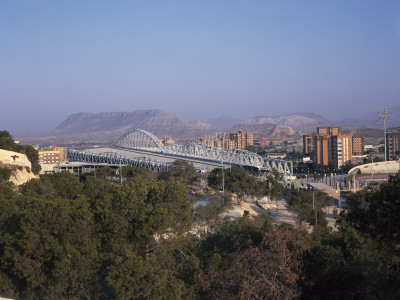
[270, 142]
[329, 145]
[237, 140]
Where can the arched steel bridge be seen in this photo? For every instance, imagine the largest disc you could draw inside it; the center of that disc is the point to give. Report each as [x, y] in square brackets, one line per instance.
[145, 141]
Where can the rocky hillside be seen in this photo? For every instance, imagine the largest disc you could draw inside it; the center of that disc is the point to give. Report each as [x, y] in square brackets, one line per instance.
[279, 132]
[250, 127]
[19, 165]
[298, 121]
[373, 136]
[287, 127]
[372, 121]
[224, 122]
[109, 126]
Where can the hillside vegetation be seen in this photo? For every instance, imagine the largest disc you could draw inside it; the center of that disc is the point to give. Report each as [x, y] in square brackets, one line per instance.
[67, 237]
[7, 143]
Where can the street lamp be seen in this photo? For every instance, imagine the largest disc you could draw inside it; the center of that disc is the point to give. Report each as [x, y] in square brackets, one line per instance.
[223, 177]
[120, 171]
[384, 114]
[339, 202]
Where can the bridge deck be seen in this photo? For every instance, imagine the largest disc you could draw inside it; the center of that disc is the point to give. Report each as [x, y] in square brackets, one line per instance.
[200, 164]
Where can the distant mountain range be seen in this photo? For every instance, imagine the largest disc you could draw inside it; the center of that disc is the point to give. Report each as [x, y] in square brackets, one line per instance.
[293, 120]
[372, 120]
[298, 121]
[308, 122]
[224, 122]
[372, 136]
[107, 127]
[279, 132]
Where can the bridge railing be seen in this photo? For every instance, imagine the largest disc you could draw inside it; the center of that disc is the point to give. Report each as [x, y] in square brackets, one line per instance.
[142, 140]
[116, 158]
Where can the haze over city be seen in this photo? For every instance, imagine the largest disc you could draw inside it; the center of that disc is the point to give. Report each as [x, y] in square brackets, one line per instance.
[197, 59]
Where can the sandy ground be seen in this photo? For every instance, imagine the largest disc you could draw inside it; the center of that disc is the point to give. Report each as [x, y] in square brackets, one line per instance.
[280, 215]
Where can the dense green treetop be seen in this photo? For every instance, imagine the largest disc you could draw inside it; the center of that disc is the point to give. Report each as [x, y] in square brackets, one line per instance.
[308, 206]
[183, 170]
[376, 212]
[67, 238]
[237, 180]
[5, 174]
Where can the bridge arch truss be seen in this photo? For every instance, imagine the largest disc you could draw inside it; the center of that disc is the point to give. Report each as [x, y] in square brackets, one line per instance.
[142, 140]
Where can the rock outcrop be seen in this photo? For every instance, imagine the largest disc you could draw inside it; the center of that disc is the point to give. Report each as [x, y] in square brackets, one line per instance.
[19, 165]
[279, 132]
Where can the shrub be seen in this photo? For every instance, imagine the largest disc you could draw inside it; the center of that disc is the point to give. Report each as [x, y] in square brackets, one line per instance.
[5, 174]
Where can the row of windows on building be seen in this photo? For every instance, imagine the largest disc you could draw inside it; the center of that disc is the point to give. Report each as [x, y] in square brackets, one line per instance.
[238, 140]
[331, 146]
[52, 155]
[393, 145]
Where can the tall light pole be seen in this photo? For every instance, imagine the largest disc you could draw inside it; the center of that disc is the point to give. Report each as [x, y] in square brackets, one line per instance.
[384, 114]
[223, 177]
[120, 170]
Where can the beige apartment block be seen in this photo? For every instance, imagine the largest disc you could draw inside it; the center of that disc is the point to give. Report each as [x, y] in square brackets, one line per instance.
[52, 155]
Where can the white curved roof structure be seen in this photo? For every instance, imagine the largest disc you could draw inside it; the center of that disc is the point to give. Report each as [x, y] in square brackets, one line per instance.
[383, 167]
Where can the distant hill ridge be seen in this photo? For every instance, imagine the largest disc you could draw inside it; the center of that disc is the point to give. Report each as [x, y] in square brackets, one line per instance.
[293, 120]
[111, 125]
[279, 132]
[107, 127]
[297, 121]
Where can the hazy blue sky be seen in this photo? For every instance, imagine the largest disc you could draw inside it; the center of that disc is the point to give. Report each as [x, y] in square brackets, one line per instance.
[198, 59]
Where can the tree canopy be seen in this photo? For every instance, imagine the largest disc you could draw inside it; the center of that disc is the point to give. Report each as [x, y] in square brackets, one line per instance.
[237, 180]
[63, 237]
[308, 206]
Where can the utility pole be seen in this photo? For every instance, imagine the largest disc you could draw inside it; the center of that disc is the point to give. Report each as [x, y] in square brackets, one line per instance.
[120, 170]
[384, 114]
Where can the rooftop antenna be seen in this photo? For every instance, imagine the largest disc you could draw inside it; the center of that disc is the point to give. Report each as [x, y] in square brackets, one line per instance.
[384, 114]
